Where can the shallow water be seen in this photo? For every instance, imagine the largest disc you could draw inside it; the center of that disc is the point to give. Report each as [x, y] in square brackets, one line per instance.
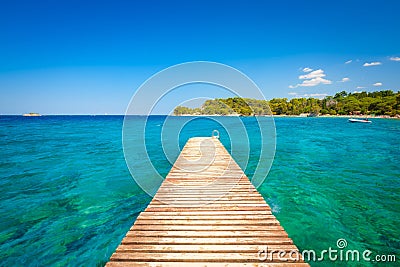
[67, 196]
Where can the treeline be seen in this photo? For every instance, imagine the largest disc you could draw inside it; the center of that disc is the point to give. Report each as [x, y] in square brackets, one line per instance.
[364, 103]
[228, 106]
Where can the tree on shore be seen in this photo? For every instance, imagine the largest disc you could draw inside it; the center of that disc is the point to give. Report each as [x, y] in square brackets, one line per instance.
[364, 103]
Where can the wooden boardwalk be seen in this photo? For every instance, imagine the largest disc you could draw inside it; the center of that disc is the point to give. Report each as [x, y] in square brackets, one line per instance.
[206, 213]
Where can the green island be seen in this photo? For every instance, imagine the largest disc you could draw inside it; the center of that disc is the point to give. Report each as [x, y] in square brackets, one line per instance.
[31, 114]
[379, 103]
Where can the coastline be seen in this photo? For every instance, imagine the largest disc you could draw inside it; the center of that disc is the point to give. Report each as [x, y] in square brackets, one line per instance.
[292, 116]
[339, 116]
[213, 115]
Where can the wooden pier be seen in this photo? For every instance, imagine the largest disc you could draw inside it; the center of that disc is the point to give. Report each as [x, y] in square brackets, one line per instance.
[206, 213]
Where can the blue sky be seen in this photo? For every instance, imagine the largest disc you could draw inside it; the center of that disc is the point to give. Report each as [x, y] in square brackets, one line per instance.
[89, 57]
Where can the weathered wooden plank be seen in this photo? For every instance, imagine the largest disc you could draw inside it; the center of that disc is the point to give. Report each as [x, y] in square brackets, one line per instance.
[261, 240]
[201, 248]
[204, 264]
[267, 221]
[163, 208]
[205, 189]
[230, 197]
[193, 257]
[195, 217]
[194, 182]
[208, 213]
[267, 232]
[209, 228]
[212, 205]
[221, 197]
[211, 202]
[225, 178]
[184, 190]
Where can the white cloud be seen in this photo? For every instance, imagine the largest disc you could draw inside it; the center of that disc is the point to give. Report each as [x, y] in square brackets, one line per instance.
[348, 62]
[360, 87]
[356, 92]
[313, 78]
[376, 63]
[377, 84]
[314, 74]
[312, 82]
[315, 82]
[307, 69]
[395, 58]
[315, 95]
[345, 80]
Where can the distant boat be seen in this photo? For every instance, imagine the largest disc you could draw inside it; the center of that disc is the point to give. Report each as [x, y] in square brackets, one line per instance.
[31, 114]
[360, 120]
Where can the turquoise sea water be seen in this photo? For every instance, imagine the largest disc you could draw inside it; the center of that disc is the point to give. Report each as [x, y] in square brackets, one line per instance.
[67, 197]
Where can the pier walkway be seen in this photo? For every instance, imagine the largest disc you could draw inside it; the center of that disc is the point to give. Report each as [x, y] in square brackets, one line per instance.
[206, 213]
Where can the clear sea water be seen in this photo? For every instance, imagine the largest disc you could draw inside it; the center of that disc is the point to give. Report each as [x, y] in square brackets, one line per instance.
[67, 196]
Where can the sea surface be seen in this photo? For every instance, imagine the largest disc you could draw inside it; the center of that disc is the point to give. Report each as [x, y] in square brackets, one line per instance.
[67, 196]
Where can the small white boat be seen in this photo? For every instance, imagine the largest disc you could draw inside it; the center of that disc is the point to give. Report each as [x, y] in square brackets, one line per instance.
[360, 120]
